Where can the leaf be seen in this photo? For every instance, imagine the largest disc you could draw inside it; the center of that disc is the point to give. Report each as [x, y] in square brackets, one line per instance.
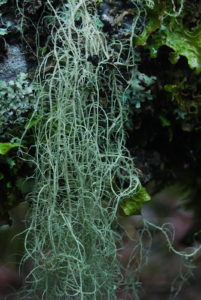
[132, 204]
[43, 50]
[164, 121]
[6, 147]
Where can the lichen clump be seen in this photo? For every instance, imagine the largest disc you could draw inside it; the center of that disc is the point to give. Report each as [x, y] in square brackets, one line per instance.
[16, 101]
[73, 235]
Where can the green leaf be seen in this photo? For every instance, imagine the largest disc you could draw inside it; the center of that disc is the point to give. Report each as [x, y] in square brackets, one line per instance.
[6, 147]
[132, 204]
[43, 50]
[164, 121]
